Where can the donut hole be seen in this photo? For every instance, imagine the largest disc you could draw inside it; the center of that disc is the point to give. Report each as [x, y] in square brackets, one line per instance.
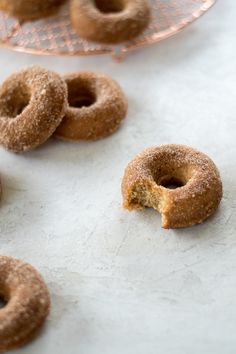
[16, 102]
[80, 96]
[172, 182]
[3, 302]
[83, 100]
[170, 176]
[20, 107]
[3, 298]
[110, 6]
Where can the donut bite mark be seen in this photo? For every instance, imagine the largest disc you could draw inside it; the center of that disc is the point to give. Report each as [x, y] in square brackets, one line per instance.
[32, 104]
[112, 21]
[97, 107]
[26, 10]
[27, 303]
[181, 183]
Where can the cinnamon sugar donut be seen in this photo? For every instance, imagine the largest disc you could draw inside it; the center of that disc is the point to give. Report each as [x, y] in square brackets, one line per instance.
[32, 104]
[148, 180]
[112, 21]
[26, 10]
[97, 106]
[27, 302]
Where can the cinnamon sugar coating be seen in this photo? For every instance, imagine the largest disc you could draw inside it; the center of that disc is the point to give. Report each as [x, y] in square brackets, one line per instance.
[33, 102]
[112, 21]
[27, 303]
[148, 179]
[26, 10]
[97, 106]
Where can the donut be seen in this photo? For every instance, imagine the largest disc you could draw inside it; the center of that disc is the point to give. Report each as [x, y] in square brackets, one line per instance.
[180, 182]
[97, 106]
[33, 102]
[27, 303]
[26, 10]
[112, 21]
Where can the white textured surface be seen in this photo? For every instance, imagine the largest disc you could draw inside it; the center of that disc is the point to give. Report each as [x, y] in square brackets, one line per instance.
[119, 283]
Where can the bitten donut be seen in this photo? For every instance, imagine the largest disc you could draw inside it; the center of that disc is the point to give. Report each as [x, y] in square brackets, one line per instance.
[26, 10]
[27, 302]
[150, 177]
[32, 104]
[112, 21]
[97, 106]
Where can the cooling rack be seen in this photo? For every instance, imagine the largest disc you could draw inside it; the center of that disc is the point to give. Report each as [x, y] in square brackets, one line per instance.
[56, 36]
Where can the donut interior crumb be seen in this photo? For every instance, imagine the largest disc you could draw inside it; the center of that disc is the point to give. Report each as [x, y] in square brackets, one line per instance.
[144, 197]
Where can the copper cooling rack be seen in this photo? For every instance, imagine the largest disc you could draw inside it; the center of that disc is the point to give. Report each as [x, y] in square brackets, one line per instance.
[55, 35]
